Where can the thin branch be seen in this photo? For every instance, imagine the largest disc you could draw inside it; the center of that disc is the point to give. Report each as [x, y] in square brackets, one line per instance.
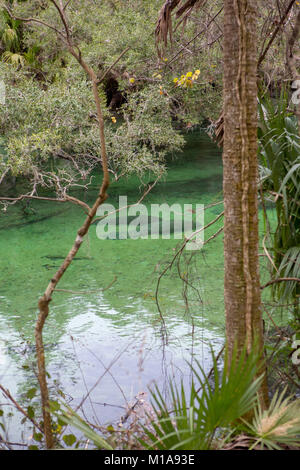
[66, 5]
[4, 174]
[280, 279]
[113, 65]
[176, 255]
[89, 291]
[34, 20]
[150, 187]
[277, 195]
[264, 53]
[19, 407]
[195, 37]
[102, 196]
[52, 199]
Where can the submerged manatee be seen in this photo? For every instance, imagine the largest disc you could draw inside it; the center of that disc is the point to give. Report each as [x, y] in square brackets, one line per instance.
[116, 231]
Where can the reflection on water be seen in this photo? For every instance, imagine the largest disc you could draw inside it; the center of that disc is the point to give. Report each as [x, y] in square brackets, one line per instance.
[111, 337]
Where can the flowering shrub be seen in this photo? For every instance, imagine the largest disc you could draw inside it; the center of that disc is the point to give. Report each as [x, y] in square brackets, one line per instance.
[187, 80]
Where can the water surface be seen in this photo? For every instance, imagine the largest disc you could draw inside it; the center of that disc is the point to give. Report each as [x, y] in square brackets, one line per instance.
[119, 328]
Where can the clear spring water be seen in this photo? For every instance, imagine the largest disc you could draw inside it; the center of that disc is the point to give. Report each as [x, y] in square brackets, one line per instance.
[118, 328]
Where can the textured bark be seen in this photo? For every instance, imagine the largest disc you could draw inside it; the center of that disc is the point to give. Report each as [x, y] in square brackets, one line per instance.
[242, 287]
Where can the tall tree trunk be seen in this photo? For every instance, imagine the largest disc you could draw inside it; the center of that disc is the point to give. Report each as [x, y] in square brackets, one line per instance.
[242, 287]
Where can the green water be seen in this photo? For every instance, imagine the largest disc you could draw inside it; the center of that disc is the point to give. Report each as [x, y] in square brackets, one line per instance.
[119, 327]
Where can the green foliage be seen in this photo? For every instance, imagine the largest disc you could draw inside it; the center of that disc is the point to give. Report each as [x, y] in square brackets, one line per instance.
[49, 117]
[278, 425]
[145, 134]
[69, 417]
[290, 268]
[211, 410]
[9, 37]
[30, 411]
[53, 132]
[215, 411]
[280, 170]
[10, 31]
[69, 439]
[13, 58]
[31, 393]
[115, 26]
[11, 40]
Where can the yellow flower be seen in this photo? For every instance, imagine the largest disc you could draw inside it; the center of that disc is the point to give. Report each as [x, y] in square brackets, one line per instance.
[175, 80]
[197, 72]
[113, 119]
[58, 429]
[189, 83]
[166, 60]
[189, 74]
[132, 80]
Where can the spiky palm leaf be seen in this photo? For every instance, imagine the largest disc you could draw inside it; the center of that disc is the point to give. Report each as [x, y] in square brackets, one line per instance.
[13, 58]
[9, 37]
[289, 268]
[71, 418]
[280, 171]
[277, 426]
[191, 423]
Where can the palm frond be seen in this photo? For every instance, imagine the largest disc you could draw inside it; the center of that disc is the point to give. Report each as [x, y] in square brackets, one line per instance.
[279, 153]
[278, 425]
[213, 407]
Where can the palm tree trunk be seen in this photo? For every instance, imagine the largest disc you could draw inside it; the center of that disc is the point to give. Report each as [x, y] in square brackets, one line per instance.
[242, 286]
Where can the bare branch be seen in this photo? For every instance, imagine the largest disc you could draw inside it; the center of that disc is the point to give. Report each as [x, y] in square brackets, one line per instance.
[52, 199]
[113, 65]
[196, 36]
[19, 407]
[34, 20]
[264, 53]
[281, 279]
[102, 196]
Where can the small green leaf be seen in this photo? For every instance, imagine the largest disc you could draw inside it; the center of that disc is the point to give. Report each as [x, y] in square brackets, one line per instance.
[54, 405]
[31, 393]
[61, 422]
[37, 436]
[69, 439]
[30, 412]
[61, 393]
